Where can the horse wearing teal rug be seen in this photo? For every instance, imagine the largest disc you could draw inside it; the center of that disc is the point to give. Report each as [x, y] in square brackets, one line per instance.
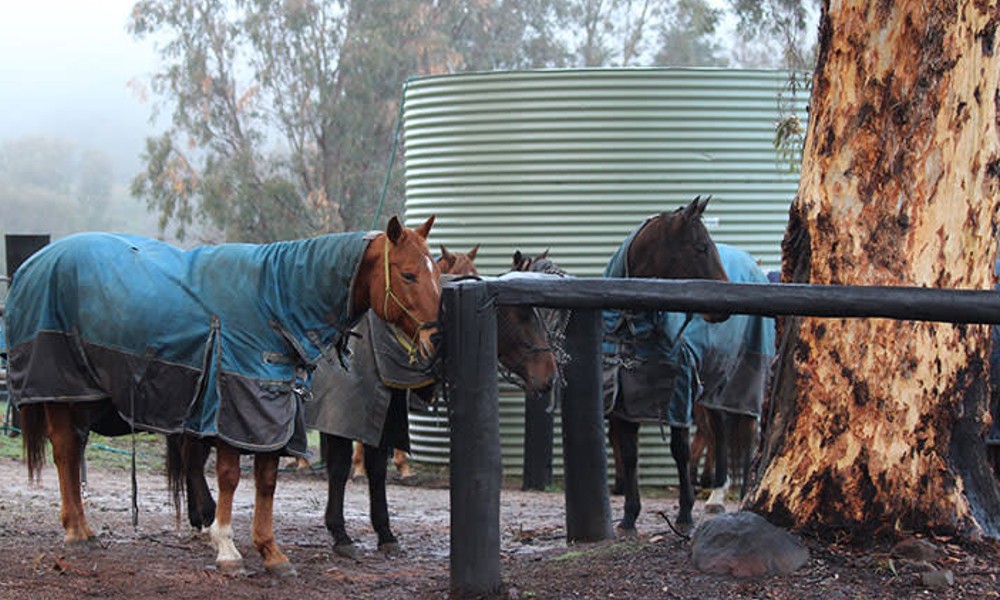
[115, 333]
[659, 364]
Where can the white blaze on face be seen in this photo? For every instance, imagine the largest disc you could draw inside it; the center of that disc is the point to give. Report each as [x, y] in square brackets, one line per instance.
[429, 265]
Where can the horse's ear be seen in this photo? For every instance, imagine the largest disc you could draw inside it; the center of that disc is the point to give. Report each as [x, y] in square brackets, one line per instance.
[425, 229]
[472, 253]
[543, 255]
[445, 255]
[394, 229]
[696, 208]
[517, 259]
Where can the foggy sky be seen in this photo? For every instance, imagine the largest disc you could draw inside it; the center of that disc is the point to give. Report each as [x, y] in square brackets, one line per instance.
[65, 68]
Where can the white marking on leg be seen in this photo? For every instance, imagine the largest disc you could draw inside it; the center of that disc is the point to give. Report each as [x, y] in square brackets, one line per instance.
[718, 495]
[222, 541]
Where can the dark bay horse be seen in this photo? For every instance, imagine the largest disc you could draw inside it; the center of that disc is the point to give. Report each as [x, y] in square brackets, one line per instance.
[118, 333]
[658, 365]
[523, 342]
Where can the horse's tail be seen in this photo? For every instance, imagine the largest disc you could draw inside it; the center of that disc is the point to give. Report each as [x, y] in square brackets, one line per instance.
[176, 471]
[34, 427]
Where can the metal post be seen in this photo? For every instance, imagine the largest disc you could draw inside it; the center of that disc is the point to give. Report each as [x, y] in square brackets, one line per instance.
[469, 316]
[585, 459]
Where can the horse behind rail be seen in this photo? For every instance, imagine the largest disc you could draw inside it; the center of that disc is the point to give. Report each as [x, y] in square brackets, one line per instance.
[347, 403]
[659, 364]
[114, 333]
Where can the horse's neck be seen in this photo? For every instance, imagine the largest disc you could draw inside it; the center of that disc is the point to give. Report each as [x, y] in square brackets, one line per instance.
[361, 294]
[643, 247]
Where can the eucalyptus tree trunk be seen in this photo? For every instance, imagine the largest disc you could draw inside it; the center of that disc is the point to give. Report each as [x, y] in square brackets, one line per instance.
[876, 426]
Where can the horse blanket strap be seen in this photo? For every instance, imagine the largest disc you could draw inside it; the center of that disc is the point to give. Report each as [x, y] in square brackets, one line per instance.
[657, 364]
[355, 402]
[228, 329]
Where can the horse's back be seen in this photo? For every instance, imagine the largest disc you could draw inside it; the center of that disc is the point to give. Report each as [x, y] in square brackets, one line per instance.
[735, 355]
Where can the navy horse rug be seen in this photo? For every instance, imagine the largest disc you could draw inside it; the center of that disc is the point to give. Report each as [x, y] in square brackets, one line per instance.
[658, 364]
[218, 340]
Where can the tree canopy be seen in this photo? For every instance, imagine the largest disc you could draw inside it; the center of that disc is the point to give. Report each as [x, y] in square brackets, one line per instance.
[284, 114]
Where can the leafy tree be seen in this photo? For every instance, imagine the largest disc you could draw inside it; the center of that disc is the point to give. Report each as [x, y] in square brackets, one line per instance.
[284, 112]
[687, 35]
[781, 25]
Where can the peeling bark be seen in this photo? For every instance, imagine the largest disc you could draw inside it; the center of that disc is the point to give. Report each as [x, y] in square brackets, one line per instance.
[875, 425]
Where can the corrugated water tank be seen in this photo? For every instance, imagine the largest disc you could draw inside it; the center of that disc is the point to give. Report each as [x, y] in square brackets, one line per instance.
[571, 161]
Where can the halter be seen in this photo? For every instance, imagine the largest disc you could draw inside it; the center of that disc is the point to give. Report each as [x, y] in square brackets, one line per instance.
[409, 344]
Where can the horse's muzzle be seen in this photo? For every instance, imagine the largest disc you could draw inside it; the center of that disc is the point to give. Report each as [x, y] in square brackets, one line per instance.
[429, 339]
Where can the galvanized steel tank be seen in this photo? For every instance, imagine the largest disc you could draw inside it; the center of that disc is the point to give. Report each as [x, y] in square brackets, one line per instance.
[572, 160]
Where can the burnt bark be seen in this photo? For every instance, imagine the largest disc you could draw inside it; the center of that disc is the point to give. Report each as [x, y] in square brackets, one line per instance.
[876, 426]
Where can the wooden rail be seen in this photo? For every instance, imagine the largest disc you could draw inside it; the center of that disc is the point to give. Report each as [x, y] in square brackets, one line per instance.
[469, 321]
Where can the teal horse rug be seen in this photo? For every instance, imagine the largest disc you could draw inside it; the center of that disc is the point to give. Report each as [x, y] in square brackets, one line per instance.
[217, 341]
[658, 364]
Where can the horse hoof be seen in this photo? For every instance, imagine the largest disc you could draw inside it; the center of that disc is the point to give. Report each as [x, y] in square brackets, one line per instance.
[390, 549]
[232, 568]
[282, 570]
[628, 533]
[348, 550]
[715, 509]
[86, 544]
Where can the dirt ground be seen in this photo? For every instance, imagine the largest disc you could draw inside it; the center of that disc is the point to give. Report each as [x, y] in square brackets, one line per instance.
[157, 559]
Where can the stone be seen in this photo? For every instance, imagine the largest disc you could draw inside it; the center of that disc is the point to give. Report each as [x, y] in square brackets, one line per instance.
[937, 580]
[744, 544]
[916, 549]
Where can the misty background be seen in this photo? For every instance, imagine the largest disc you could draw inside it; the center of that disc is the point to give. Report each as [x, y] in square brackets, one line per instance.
[77, 104]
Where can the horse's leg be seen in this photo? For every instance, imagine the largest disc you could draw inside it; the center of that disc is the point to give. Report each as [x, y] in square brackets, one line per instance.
[376, 460]
[627, 436]
[67, 430]
[358, 460]
[201, 506]
[618, 488]
[227, 470]
[338, 457]
[265, 475]
[680, 449]
[402, 465]
[701, 443]
[721, 423]
[744, 442]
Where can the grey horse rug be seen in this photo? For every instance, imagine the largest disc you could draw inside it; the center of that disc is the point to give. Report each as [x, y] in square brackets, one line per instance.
[359, 402]
[657, 364]
[218, 341]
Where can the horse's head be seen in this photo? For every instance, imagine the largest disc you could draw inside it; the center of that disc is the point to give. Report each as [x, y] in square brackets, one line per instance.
[677, 245]
[404, 287]
[524, 344]
[457, 263]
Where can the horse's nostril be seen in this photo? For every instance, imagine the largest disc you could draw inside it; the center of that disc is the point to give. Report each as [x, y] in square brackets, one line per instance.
[437, 338]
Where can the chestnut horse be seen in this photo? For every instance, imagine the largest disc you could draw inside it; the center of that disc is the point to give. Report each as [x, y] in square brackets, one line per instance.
[673, 245]
[118, 333]
[523, 342]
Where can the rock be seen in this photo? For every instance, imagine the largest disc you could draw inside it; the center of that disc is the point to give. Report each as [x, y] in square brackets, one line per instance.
[744, 544]
[917, 550]
[937, 580]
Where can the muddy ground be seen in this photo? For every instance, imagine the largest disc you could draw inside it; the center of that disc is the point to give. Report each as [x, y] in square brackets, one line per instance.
[157, 559]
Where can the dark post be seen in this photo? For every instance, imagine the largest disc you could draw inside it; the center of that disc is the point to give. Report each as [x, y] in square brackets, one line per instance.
[538, 428]
[469, 318]
[585, 459]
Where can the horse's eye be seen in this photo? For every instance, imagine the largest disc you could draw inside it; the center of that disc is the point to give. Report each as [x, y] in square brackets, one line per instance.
[410, 277]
